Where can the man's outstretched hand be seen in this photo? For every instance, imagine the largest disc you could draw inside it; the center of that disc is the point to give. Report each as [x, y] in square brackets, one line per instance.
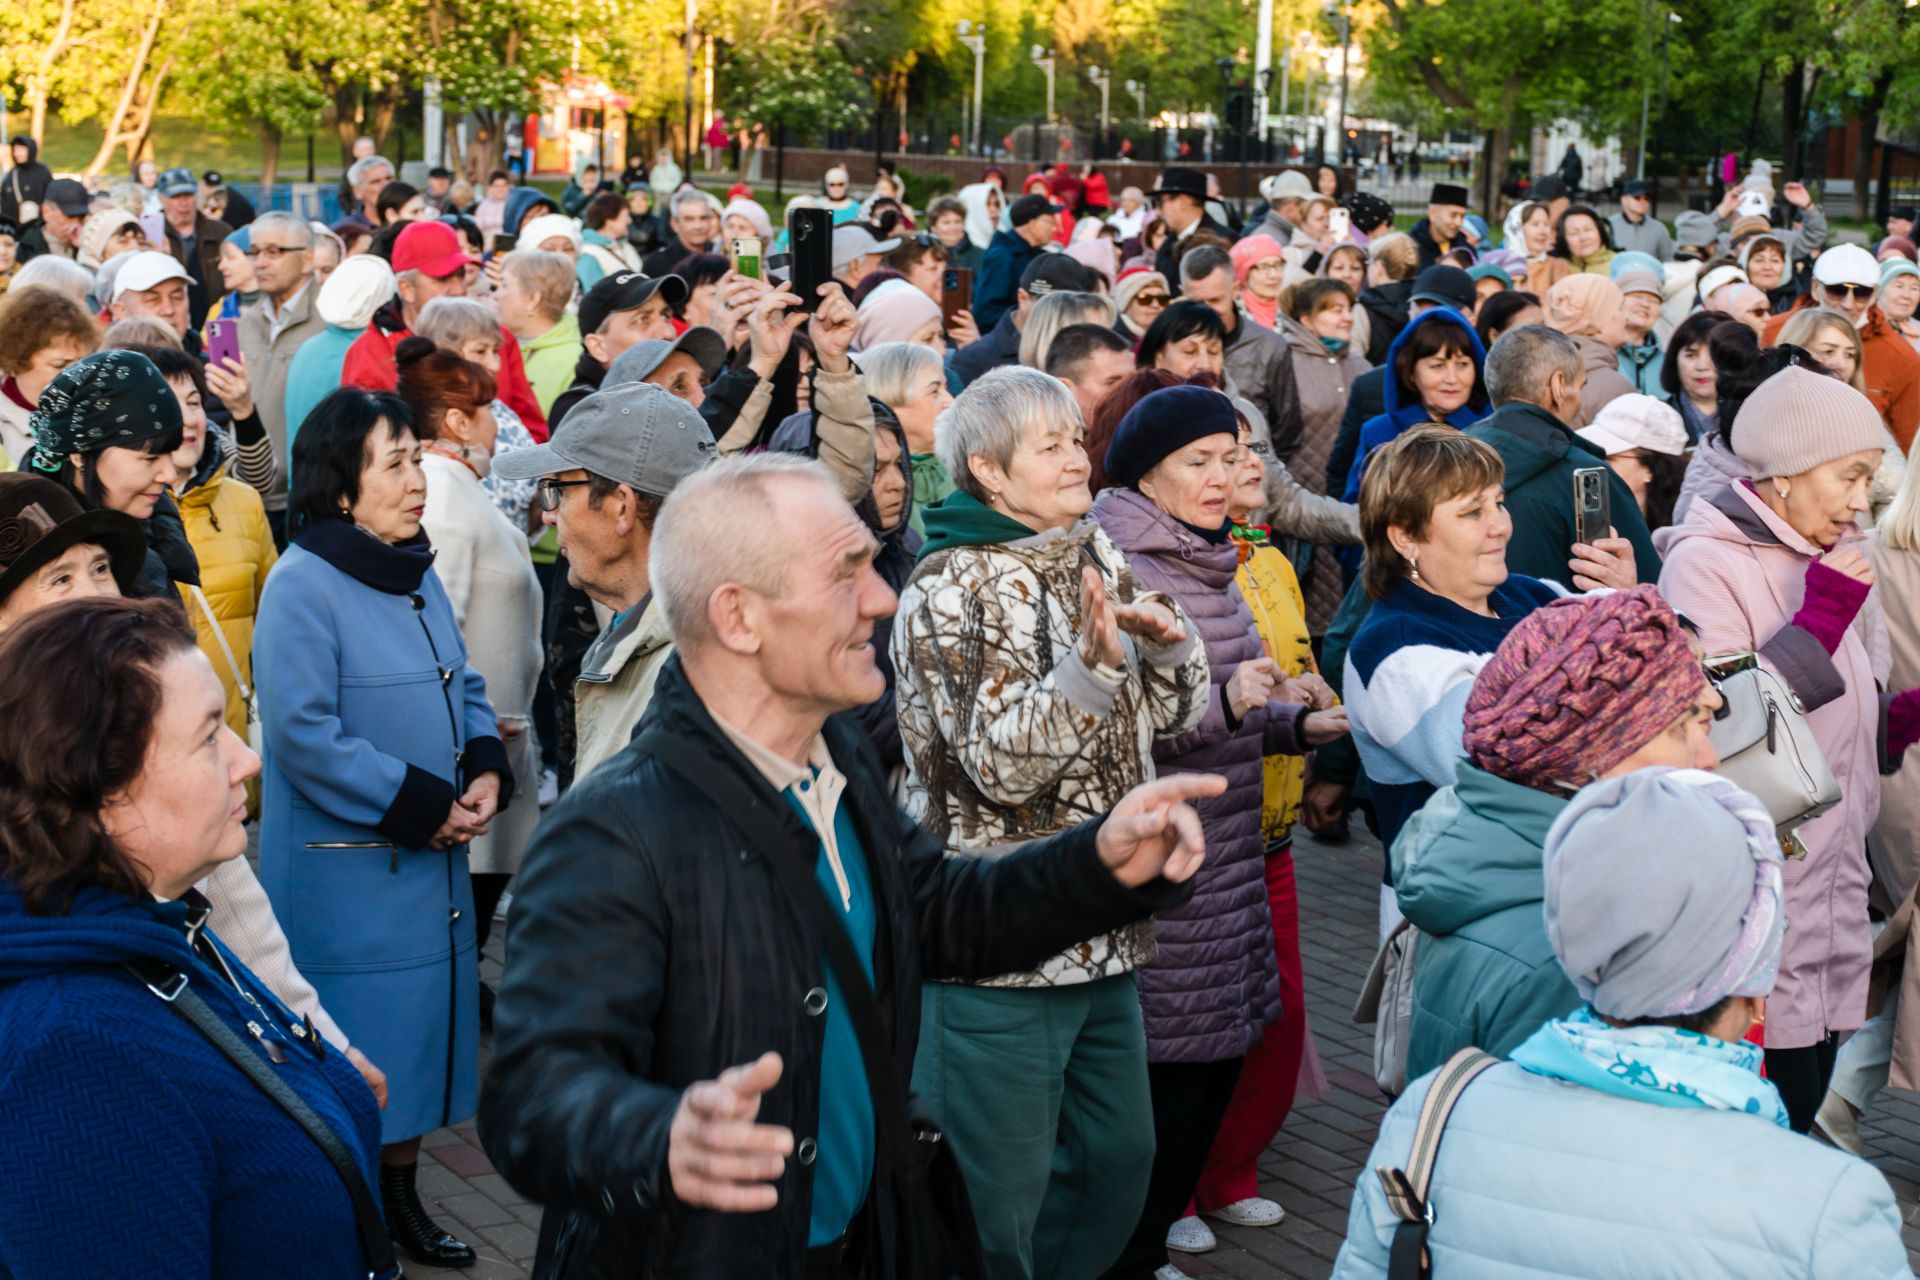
[717, 1156]
[1153, 831]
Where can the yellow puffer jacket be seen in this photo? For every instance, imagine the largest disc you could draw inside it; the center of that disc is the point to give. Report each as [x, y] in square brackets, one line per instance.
[227, 526]
[1272, 591]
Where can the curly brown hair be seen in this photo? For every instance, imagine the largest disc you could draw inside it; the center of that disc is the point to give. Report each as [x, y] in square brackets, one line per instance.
[34, 318]
[79, 695]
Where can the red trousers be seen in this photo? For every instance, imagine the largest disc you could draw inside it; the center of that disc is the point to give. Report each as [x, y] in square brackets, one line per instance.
[1270, 1076]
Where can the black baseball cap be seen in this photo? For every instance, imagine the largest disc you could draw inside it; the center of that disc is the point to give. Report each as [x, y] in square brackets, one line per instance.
[624, 292]
[1056, 273]
[1904, 211]
[69, 197]
[1636, 187]
[1448, 286]
[1027, 208]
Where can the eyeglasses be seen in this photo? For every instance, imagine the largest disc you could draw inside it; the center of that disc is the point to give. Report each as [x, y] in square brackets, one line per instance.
[272, 252]
[1271, 264]
[1860, 292]
[548, 491]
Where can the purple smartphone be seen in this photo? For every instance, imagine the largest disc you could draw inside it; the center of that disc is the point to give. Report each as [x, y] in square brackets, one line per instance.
[223, 340]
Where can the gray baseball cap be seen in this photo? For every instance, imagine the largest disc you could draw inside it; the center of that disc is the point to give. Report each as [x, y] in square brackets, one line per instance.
[852, 240]
[706, 346]
[634, 433]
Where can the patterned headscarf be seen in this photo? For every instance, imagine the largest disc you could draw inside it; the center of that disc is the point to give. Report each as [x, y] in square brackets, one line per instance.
[109, 399]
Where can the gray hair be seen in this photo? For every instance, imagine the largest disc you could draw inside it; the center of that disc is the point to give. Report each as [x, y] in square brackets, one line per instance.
[139, 331]
[990, 417]
[324, 234]
[1524, 360]
[358, 171]
[130, 196]
[454, 322]
[55, 272]
[691, 195]
[700, 543]
[1202, 262]
[894, 371]
[549, 277]
[298, 227]
[1054, 312]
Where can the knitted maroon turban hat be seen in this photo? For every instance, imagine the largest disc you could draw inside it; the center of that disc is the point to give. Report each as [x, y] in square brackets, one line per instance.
[1579, 686]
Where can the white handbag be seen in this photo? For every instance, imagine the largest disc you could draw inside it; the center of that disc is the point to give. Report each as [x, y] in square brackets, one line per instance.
[256, 738]
[1767, 748]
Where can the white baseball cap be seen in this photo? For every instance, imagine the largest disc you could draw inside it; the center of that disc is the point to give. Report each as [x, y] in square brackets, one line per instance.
[150, 267]
[1626, 423]
[1720, 277]
[1846, 264]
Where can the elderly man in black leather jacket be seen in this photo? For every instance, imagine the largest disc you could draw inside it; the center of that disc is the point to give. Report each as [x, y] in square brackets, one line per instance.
[679, 1076]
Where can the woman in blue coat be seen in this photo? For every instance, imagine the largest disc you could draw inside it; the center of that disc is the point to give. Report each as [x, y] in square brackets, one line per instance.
[382, 761]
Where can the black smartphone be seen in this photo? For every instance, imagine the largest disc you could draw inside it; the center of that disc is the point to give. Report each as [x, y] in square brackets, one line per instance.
[956, 293]
[504, 244]
[1592, 505]
[810, 233]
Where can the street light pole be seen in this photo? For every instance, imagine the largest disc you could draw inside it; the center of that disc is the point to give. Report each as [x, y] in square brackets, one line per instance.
[1103, 80]
[974, 36]
[1044, 59]
[1139, 92]
[1346, 50]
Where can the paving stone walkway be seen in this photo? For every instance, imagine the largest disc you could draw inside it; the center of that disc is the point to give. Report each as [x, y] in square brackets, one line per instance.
[1310, 1170]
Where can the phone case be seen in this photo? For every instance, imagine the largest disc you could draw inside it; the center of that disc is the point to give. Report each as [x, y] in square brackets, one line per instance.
[810, 233]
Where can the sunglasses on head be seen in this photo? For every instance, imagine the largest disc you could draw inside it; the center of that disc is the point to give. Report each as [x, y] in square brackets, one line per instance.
[1860, 292]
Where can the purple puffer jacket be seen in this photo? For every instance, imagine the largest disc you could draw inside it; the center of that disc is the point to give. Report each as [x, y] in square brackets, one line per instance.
[1213, 990]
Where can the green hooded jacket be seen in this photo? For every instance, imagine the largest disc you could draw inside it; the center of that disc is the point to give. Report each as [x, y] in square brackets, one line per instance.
[961, 520]
[1467, 868]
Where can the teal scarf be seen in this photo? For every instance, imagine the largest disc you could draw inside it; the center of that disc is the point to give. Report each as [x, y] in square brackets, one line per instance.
[1662, 1065]
[1335, 346]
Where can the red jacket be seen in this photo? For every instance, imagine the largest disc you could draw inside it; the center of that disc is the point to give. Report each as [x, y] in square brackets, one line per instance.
[1892, 369]
[370, 366]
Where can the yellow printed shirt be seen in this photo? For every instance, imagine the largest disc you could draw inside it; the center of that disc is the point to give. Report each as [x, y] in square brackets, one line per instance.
[1272, 591]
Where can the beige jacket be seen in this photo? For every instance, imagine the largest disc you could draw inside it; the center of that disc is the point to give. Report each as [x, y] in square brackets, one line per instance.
[616, 682]
[844, 428]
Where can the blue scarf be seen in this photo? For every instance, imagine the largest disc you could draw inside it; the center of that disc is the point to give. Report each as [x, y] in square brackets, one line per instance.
[1337, 346]
[1662, 1065]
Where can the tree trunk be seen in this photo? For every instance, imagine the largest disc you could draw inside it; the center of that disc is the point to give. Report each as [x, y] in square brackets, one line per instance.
[129, 121]
[346, 124]
[43, 72]
[1864, 143]
[269, 158]
[1793, 119]
[382, 122]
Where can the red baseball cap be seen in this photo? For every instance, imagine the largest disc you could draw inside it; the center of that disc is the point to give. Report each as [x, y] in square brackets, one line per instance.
[431, 248]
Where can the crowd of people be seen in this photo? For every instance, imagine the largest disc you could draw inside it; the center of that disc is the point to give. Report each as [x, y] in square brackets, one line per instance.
[881, 720]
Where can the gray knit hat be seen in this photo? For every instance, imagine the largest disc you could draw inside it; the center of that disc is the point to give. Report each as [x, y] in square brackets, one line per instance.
[1798, 419]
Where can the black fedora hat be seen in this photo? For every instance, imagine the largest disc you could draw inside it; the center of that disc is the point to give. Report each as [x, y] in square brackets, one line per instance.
[1181, 182]
[40, 520]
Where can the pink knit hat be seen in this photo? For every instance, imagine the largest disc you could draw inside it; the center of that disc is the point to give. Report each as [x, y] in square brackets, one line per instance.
[1249, 251]
[1578, 686]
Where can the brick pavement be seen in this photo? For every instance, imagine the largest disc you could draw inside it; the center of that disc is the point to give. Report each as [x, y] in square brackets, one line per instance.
[1311, 1168]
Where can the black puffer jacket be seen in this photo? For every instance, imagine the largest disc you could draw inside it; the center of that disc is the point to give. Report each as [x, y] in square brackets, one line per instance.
[651, 947]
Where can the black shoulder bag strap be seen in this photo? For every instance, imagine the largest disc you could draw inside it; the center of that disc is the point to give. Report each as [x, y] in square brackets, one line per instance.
[172, 986]
[741, 806]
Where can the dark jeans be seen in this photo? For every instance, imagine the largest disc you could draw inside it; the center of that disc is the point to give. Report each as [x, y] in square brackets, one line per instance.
[488, 887]
[1802, 1076]
[1189, 1101]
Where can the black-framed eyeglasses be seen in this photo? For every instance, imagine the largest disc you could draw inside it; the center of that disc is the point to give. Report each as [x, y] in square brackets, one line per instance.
[548, 491]
[1860, 292]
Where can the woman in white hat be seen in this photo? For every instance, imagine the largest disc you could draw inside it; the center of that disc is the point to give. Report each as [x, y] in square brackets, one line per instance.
[1646, 445]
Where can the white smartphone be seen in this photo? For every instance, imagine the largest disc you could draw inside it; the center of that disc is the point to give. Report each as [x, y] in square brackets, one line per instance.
[1339, 223]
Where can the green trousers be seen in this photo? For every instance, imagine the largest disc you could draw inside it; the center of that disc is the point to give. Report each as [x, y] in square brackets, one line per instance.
[1043, 1093]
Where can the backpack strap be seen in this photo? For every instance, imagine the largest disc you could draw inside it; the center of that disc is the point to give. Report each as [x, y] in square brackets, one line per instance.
[1407, 1188]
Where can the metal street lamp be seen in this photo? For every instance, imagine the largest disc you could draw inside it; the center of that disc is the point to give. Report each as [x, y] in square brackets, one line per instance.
[1043, 59]
[1102, 80]
[1139, 92]
[974, 36]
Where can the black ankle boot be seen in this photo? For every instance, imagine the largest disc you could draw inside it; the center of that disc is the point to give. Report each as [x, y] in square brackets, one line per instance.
[407, 1221]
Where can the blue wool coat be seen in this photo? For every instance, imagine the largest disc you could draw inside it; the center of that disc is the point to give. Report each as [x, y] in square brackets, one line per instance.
[367, 700]
[132, 1146]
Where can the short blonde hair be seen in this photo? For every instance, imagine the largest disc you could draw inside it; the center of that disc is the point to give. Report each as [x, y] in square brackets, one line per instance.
[549, 277]
[1405, 480]
[1803, 328]
[1397, 255]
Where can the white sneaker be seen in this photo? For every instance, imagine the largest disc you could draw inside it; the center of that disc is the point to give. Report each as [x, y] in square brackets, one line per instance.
[1836, 1123]
[1255, 1211]
[1190, 1235]
[549, 788]
[1171, 1272]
